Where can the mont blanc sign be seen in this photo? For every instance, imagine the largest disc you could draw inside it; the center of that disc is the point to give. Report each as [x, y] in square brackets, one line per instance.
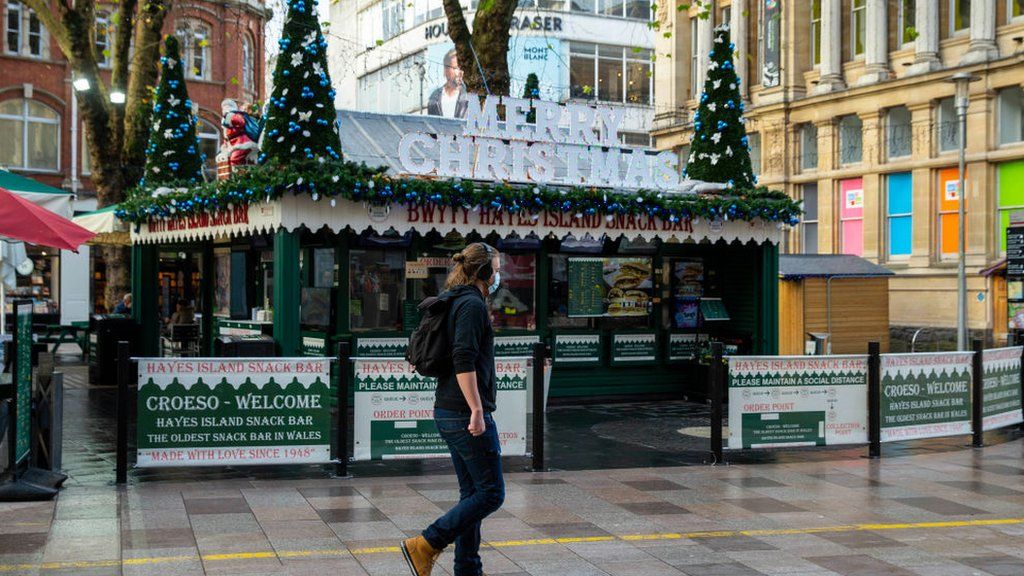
[572, 144]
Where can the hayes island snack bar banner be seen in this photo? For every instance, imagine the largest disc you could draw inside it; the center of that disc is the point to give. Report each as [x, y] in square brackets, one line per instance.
[233, 411]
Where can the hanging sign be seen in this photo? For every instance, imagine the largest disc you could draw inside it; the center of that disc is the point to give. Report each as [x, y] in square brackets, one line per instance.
[314, 344]
[229, 221]
[394, 409]
[515, 150]
[578, 349]
[925, 395]
[380, 347]
[777, 401]
[515, 345]
[1001, 387]
[235, 411]
[683, 347]
[634, 349]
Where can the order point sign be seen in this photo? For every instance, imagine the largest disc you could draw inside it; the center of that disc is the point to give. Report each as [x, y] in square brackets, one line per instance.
[233, 411]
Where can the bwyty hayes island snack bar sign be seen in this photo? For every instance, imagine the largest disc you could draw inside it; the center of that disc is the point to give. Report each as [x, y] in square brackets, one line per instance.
[777, 401]
[394, 409]
[214, 412]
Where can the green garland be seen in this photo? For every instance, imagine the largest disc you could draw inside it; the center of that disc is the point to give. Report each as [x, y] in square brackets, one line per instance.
[328, 181]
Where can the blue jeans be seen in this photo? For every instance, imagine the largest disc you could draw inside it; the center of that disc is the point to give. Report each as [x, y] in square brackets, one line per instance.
[477, 461]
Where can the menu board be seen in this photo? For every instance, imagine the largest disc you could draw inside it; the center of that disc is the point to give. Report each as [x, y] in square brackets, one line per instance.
[1014, 276]
[611, 287]
[687, 289]
[22, 379]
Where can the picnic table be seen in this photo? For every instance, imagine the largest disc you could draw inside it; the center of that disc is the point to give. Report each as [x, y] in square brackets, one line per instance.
[57, 334]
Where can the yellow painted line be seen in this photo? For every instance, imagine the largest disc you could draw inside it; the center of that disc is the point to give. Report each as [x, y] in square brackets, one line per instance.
[336, 552]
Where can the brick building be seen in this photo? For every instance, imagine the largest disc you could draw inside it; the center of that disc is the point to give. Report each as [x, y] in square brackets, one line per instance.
[222, 44]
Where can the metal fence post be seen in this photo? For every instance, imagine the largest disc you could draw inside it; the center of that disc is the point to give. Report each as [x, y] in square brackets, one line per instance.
[123, 376]
[715, 389]
[344, 351]
[977, 396]
[539, 355]
[874, 400]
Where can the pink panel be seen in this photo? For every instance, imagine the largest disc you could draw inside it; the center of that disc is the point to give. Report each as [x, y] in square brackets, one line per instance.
[851, 215]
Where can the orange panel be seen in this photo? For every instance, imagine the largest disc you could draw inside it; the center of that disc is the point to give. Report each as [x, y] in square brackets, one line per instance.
[947, 189]
[949, 204]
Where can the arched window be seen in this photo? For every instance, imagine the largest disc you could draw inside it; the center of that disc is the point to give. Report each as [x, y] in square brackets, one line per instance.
[208, 135]
[194, 37]
[248, 65]
[34, 142]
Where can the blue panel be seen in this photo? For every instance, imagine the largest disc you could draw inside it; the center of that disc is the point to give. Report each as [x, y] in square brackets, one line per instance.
[899, 236]
[900, 191]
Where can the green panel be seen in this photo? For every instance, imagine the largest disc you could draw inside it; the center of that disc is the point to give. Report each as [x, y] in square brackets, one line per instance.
[208, 285]
[144, 297]
[627, 380]
[1011, 184]
[769, 301]
[286, 292]
[737, 267]
[22, 379]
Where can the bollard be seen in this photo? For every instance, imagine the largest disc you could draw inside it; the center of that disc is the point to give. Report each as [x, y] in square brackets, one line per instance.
[341, 468]
[977, 396]
[123, 376]
[715, 390]
[874, 401]
[539, 354]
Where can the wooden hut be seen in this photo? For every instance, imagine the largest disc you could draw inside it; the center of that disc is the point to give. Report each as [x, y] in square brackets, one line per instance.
[844, 296]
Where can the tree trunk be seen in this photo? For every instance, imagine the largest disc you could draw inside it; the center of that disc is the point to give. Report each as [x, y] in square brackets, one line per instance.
[486, 47]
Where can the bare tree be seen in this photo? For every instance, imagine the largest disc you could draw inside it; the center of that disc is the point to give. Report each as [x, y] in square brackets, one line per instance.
[485, 49]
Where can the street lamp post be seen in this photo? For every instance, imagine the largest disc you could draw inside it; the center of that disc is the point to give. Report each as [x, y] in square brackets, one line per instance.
[962, 81]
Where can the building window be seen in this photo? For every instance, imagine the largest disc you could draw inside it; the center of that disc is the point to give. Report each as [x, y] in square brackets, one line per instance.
[1016, 9]
[427, 10]
[809, 223]
[248, 65]
[1009, 176]
[727, 15]
[695, 87]
[898, 213]
[209, 144]
[194, 38]
[858, 26]
[24, 32]
[851, 216]
[897, 128]
[393, 18]
[815, 32]
[808, 146]
[635, 139]
[683, 152]
[394, 89]
[1011, 121]
[960, 12]
[949, 206]
[754, 141]
[621, 75]
[907, 20]
[376, 289]
[850, 139]
[31, 136]
[634, 9]
[948, 127]
[103, 31]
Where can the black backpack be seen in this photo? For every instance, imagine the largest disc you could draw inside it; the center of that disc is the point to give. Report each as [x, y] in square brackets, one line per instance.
[430, 348]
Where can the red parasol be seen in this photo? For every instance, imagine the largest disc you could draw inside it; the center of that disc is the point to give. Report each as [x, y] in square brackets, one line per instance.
[22, 220]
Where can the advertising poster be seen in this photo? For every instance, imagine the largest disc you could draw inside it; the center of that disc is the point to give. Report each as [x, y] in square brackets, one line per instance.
[687, 288]
[772, 23]
[394, 410]
[222, 282]
[925, 395]
[613, 287]
[780, 401]
[234, 411]
[1001, 388]
[446, 95]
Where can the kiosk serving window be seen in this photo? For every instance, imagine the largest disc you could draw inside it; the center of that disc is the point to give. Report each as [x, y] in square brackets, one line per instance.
[376, 289]
[513, 305]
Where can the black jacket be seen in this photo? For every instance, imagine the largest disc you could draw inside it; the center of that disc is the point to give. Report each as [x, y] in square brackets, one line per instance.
[434, 103]
[472, 338]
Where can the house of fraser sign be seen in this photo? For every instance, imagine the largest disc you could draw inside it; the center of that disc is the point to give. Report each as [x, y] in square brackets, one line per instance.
[560, 148]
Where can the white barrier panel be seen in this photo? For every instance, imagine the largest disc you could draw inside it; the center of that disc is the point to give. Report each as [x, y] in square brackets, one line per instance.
[925, 395]
[394, 409]
[780, 401]
[1001, 387]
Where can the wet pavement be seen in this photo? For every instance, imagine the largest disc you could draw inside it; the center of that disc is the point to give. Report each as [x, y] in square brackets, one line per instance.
[629, 497]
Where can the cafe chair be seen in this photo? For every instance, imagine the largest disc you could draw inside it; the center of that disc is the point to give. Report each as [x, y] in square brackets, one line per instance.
[183, 341]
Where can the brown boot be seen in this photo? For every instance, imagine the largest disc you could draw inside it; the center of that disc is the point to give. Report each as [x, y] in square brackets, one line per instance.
[420, 555]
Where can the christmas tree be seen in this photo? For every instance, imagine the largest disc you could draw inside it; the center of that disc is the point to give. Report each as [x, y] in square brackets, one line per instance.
[300, 113]
[530, 92]
[719, 151]
[172, 155]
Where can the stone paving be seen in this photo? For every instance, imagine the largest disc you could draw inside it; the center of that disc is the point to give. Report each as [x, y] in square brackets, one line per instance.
[950, 513]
